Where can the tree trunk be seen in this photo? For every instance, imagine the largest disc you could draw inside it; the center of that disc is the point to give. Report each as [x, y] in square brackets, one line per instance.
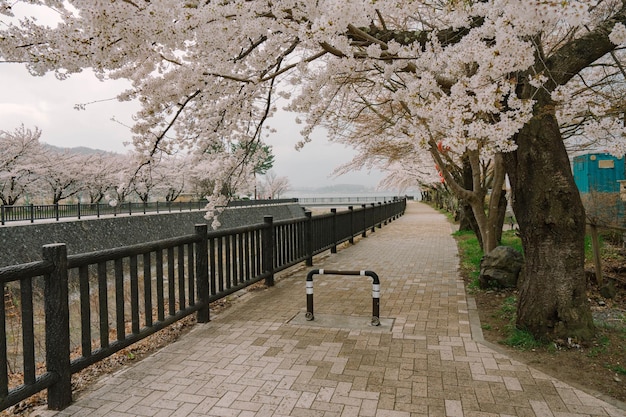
[467, 221]
[501, 216]
[552, 300]
[466, 218]
[487, 219]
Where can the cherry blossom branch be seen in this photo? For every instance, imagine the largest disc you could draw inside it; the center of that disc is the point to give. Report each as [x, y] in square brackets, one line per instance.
[579, 53]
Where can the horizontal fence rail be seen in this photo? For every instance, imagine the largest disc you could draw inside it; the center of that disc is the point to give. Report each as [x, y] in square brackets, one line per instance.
[67, 312]
[355, 200]
[32, 213]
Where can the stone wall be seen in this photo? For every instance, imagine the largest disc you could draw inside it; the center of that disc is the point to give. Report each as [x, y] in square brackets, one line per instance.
[22, 243]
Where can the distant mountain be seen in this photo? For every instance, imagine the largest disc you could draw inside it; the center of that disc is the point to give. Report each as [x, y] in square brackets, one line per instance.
[83, 150]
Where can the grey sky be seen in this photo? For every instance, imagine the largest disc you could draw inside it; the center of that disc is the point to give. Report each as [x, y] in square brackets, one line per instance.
[48, 103]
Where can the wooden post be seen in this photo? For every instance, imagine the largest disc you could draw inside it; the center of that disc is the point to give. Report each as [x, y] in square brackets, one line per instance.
[597, 262]
[57, 327]
[202, 273]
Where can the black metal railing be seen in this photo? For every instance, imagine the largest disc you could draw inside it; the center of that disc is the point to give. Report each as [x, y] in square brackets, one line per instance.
[343, 200]
[67, 312]
[31, 212]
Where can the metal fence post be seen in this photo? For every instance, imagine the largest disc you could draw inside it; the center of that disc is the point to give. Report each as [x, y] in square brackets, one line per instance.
[78, 210]
[202, 273]
[385, 216]
[308, 237]
[56, 211]
[351, 240]
[269, 243]
[364, 234]
[57, 327]
[380, 215]
[2, 211]
[373, 217]
[333, 230]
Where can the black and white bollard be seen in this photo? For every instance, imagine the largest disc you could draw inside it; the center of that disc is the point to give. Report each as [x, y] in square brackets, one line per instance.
[375, 291]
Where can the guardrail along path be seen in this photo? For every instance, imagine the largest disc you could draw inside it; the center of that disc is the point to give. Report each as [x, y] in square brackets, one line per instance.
[261, 358]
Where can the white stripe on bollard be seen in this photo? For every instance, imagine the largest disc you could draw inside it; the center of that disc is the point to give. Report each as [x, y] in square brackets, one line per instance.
[375, 290]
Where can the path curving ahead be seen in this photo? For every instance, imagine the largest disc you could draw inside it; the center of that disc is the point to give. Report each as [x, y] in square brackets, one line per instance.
[261, 357]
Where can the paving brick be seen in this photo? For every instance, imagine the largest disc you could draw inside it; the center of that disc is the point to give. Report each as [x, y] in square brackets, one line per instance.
[253, 359]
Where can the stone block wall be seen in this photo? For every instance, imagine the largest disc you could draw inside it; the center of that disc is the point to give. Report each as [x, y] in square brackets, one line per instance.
[22, 243]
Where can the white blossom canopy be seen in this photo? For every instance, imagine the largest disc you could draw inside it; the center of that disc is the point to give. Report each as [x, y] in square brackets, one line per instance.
[208, 73]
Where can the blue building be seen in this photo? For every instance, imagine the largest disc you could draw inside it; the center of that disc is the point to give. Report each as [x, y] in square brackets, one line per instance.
[601, 180]
[599, 172]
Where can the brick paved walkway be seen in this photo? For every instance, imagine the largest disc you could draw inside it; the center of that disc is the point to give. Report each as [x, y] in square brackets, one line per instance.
[261, 358]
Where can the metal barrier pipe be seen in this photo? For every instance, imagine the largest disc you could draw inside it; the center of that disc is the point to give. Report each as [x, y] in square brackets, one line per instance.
[375, 291]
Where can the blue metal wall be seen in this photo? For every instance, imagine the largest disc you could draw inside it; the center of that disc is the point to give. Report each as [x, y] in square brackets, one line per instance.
[599, 172]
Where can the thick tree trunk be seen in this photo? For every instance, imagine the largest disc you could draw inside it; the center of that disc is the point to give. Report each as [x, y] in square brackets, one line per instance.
[552, 300]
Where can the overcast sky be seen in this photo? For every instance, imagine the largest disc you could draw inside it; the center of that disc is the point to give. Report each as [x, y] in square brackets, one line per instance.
[48, 103]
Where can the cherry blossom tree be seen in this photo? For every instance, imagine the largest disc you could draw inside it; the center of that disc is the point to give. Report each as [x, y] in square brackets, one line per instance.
[144, 182]
[128, 167]
[471, 177]
[18, 150]
[163, 176]
[486, 77]
[173, 175]
[273, 185]
[98, 176]
[60, 173]
[222, 177]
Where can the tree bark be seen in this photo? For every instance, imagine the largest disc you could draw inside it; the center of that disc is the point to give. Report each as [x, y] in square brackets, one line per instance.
[494, 221]
[467, 221]
[487, 221]
[552, 300]
[501, 216]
